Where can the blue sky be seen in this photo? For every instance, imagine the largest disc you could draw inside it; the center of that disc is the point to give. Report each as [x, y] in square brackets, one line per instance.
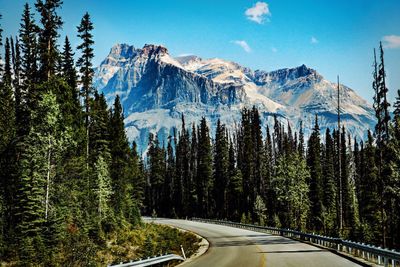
[333, 37]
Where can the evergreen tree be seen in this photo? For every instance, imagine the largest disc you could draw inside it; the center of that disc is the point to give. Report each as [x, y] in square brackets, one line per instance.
[234, 194]
[315, 182]
[103, 189]
[7, 76]
[156, 165]
[258, 151]
[301, 140]
[119, 167]
[51, 23]
[329, 185]
[38, 155]
[248, 161]
[292, 191]
[269, 194]
[204, 171]
[68, 66]
[16, 62]
[168, 181]
[178, 183]
[99, 129]
[86, 67]
[221, 165]
[27, 96]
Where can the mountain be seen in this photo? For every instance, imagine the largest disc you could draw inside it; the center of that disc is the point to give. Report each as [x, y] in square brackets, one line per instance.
[156, 89]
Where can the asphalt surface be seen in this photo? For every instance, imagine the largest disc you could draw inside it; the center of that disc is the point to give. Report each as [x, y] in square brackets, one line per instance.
[235, 247]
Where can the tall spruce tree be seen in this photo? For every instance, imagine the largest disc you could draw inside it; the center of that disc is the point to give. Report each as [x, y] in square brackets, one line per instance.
[315, 182]
[86, 68]
[35, 173]
[204, 171]
[7, 76]
[119, 167]
[68, 65]
[329, 185]
[51, 24]
[28, 95]
[221, 165]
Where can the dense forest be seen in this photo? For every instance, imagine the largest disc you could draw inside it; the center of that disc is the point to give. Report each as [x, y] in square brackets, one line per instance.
[331, 184]
[69, 177]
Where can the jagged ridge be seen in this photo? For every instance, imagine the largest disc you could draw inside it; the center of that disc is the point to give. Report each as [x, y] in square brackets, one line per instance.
[156, 89]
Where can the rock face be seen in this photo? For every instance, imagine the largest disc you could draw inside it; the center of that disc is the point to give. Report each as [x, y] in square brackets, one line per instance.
[156, 89]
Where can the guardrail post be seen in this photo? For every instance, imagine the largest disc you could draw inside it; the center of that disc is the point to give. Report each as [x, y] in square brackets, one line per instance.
[183, 253]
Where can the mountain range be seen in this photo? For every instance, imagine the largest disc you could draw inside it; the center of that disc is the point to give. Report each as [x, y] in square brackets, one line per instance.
[156, 89]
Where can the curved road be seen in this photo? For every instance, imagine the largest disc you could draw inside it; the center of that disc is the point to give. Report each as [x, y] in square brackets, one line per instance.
[238, 247]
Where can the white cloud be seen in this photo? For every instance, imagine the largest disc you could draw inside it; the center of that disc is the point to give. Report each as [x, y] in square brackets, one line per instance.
[273, 49]
[391, 41]
[314, 40]
[185, 55]
[243, 44]
[258, 12]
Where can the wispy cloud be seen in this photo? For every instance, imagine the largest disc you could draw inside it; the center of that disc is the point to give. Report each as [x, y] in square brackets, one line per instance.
[243, 44]
[314, 40]
[185, 55]
[274, 49]
[258, 12]
[391, 41]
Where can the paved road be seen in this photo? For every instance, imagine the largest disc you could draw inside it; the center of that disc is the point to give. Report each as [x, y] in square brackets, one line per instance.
[237, 247]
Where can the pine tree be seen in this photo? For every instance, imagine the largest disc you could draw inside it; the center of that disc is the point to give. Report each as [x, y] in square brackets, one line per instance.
[258, 151]
[51, 23]
[301, 140]
[193, 170]
[315, 182]
[86, 68]
[329, 185]
[7, 76]
[269, 164]
[178, 183]
[221, 165]
[169, 179]
[204, 171]
[235, 187]
[99, 129]
[119, 148]
[369, 197]
[103, 189]
[247, 167]
[68, 65]
[7, 182]
[16, 62]
[27, 96]
[156, 165]
[292, 191]
[37, 158]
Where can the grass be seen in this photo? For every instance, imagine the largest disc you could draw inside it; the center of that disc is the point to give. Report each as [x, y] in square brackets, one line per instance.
[145, 241]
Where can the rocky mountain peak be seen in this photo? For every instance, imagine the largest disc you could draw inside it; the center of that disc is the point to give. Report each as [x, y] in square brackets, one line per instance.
[122, 51]
[156, 89]
[151, 49]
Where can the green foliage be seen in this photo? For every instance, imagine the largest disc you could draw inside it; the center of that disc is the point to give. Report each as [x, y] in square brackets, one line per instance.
[259, 209]
[292, 191]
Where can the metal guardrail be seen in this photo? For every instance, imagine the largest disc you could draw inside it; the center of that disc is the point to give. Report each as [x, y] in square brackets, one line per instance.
[369, 253]
[149, 261]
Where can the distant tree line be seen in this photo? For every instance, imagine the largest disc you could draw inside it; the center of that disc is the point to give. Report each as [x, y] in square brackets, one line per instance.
[335, 185]
[68, 176]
